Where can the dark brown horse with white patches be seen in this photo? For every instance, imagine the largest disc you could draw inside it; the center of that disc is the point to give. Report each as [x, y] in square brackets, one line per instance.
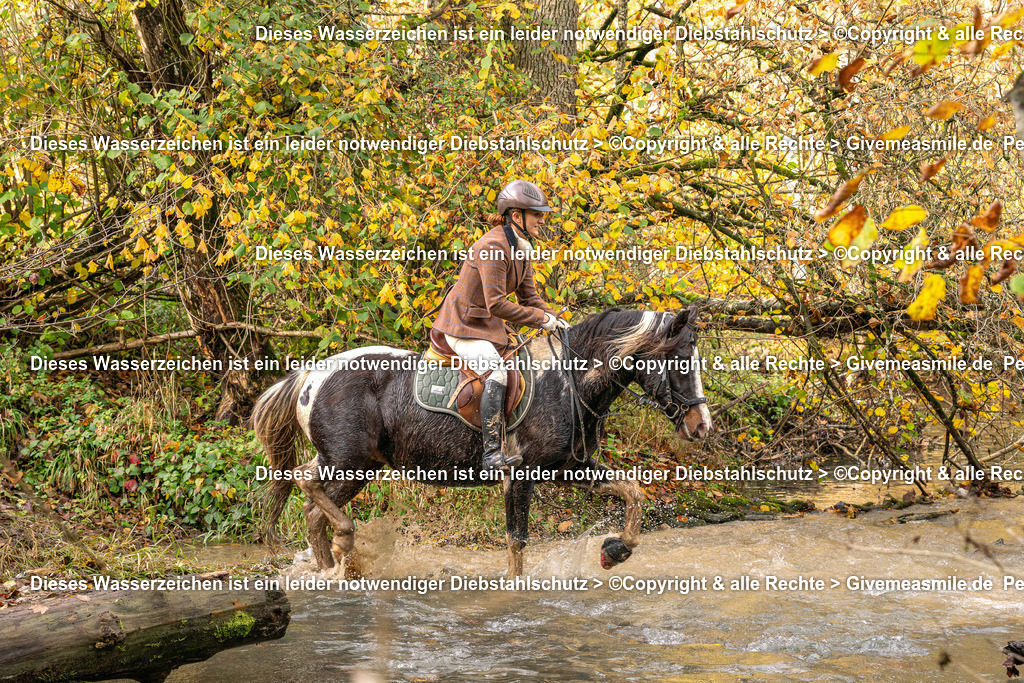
[364, 418]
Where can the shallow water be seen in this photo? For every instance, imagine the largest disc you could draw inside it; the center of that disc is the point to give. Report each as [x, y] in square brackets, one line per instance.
[600, 634]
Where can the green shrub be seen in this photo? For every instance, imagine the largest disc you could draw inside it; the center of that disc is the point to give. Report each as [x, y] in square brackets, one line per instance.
[123, 454]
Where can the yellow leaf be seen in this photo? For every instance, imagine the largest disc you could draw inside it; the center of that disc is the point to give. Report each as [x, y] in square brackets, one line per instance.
[93, 266]
[1010, 18]
[141, 244]
[387, 295]
[924, 306]
[823, 64]
[895, 133]
[1002, 50]
[987, 123]
[914, 256]
[903, 217]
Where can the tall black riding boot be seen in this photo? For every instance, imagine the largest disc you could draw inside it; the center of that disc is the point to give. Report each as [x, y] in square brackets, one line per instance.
[492, 423]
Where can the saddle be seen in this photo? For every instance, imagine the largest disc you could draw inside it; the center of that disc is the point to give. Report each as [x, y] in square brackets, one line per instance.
[442, 390]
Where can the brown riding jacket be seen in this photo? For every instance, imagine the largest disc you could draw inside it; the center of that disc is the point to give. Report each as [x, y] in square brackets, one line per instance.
[477, 305]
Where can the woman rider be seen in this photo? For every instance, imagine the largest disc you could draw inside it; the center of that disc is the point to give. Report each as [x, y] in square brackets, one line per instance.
[473, 315]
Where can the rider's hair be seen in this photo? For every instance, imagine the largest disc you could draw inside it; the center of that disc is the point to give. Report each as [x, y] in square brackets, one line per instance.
[495, 220]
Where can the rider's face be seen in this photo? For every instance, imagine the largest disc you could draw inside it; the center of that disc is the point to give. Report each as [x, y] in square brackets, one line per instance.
[534, 222]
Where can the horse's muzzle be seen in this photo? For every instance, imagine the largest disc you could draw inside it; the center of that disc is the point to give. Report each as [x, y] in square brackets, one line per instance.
[693, 426]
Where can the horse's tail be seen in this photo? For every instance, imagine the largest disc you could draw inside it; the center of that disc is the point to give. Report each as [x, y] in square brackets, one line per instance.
[276, 425]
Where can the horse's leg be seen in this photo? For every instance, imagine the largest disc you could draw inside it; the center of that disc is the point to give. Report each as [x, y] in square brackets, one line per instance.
[617, 550]
[517, 521]
[341, 493]
[316, 521]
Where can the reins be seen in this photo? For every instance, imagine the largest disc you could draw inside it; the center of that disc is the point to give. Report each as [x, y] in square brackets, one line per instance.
[574, 397]
[671, 409]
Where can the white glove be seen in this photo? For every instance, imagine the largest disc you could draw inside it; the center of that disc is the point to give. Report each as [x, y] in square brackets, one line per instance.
[551, 323]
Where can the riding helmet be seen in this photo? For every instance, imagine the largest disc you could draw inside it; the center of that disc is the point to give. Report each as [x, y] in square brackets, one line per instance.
[522, 194]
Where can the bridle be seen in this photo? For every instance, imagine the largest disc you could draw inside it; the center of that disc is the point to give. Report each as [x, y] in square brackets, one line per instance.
[676, 405]
[672, 409]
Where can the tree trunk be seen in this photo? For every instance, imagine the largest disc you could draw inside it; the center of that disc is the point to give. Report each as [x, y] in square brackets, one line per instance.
[209, 303]
[622, 24]
[553, 80]
[136, 634]
[204, 294]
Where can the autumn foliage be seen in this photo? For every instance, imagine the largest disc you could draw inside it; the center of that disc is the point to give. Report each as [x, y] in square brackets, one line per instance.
[815, 143]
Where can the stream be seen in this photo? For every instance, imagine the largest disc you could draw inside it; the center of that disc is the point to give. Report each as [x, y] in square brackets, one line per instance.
[838, 627]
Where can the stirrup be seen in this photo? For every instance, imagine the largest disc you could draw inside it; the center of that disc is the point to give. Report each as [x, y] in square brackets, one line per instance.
[498, 461]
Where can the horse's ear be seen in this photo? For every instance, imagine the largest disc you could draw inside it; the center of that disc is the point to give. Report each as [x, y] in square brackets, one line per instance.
[687, 315]
[677, 325]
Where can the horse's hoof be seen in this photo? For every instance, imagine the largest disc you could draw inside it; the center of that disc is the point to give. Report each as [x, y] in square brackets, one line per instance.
[614, 552]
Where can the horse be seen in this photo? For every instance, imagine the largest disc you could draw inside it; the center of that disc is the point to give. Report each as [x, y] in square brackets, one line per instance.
[364, 417]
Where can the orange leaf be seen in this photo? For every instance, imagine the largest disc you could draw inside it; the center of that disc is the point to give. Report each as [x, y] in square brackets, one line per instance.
[1005, 271]
[970, 283]
[733, 11]
[849, 71]
[844, 192]
[943, 110]
[849, 226]
[979, 40]
[895, 133]
[987, 123]
[990, 219]
[963, 237]
[928, 171]
[897, 58]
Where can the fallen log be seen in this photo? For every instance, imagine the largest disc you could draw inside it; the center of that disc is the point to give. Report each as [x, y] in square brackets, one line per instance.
[138, 634]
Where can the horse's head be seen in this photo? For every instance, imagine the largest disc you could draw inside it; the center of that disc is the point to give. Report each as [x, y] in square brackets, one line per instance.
[671, 377]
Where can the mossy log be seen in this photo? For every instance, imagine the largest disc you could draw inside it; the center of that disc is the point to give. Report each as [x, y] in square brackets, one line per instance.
[138, 634]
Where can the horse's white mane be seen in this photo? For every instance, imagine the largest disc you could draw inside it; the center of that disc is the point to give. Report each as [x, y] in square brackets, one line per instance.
[634, 339]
